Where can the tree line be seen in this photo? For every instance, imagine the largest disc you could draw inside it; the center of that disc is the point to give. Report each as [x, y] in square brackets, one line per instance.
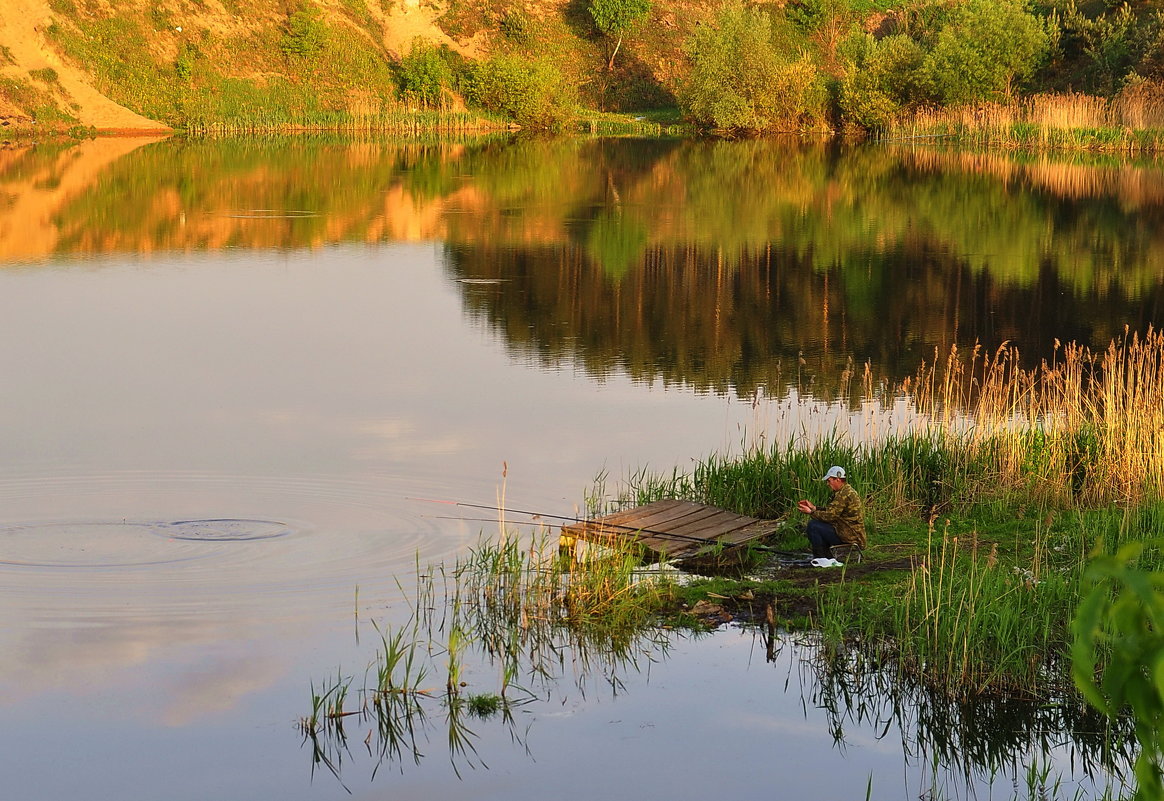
[816, 65]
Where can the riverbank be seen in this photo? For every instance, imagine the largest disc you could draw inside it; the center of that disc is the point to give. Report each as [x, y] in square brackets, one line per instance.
[78, 66]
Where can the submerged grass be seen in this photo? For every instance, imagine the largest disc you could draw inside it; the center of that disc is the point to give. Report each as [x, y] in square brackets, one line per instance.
[531, 609]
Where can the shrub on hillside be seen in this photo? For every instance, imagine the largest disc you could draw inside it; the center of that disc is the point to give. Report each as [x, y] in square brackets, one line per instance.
[305, 34]
[424, 75]
[748, 74]
[532, 93]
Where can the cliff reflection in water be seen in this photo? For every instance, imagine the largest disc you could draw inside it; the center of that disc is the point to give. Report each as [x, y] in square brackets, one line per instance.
[725, 266]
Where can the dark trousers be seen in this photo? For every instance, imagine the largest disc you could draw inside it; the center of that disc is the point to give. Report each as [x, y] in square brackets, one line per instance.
[822, 536]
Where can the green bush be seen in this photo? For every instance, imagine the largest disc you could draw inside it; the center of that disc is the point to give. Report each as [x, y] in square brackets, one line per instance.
[45, 75]
[881, 79]
[985, 48]
[305, 35]
[517, 26]
[532, 93]
[1118, 653]
[424, 75]
[749, 75]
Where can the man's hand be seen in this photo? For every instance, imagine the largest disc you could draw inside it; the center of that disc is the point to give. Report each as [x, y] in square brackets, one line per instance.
[805, 506]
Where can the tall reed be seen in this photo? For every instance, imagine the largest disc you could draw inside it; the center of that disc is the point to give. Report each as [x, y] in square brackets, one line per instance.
[1132, 121]
[1085, 427]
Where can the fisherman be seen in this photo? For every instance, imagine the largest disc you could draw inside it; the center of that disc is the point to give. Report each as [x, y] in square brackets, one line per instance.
[841, 522]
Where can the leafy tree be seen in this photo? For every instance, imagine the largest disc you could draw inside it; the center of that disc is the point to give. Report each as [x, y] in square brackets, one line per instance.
[748, 75]
[616, 18]
[986, 47]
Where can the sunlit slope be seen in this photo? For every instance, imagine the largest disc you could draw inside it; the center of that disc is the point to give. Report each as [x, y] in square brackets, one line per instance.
[35, 76]
[115, 65]
[146, 64]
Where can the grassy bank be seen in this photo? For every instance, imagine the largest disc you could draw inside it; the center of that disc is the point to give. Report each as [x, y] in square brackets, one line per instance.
[904, 70]
[983, 516]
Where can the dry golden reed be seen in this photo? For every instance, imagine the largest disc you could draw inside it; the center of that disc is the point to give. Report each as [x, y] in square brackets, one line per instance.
[1086, 426]
[1132, 121]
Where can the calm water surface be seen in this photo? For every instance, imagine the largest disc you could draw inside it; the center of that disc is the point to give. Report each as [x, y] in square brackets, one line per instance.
[237, 373]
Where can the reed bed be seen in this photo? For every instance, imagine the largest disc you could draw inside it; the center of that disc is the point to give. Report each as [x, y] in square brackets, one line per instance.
[1016, 476]
[1132, 121]
[1082, 430]
[975, 624]
[262, 122]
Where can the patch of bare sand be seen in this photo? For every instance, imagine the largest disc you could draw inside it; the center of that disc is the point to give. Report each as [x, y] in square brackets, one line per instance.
[22, 26]
[405, 21]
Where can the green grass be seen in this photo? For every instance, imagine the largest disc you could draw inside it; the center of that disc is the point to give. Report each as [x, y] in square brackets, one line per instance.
[987, 607]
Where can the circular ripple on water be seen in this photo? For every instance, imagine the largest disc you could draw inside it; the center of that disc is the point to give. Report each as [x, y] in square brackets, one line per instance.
[228, 529]
[88, 544]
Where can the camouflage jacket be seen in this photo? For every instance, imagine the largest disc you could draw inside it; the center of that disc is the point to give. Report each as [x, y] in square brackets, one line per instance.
[844, 513]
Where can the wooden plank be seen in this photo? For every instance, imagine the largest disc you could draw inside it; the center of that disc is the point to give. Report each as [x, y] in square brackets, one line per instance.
[679, 529]
[712, 528]
[619, 518]
[662, 520]
[667, 519]
[631, 519]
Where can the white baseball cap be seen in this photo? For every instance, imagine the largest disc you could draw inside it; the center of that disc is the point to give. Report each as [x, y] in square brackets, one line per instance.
[834, 472]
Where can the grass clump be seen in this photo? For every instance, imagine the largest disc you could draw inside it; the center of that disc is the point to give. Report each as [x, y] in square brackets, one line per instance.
[484, 705]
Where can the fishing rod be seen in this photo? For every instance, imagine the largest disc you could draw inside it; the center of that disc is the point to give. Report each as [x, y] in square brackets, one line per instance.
[574, 519]
[764, 548]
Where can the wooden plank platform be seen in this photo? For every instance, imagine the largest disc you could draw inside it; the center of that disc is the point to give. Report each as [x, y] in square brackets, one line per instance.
[674, 529]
